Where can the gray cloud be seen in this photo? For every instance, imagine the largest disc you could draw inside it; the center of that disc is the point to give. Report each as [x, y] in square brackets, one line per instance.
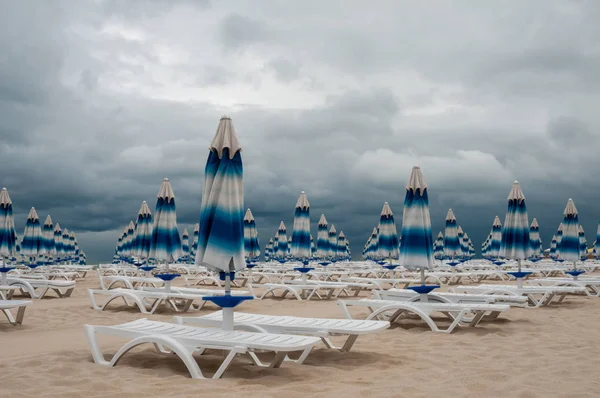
[99, 101]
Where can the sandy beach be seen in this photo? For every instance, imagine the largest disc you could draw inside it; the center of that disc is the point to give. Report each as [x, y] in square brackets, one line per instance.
[542, 352]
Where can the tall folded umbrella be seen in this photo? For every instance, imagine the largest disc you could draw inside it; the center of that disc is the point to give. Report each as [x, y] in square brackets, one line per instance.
[451, 242]
[332, 236]
[66, 247]
[251, 243]
[313, 247]
[559, 235]
[289, 247]
[194, 247]
[553, 247]
[416, 251]
[341, 246]
[221, 237]
[166, 243]
[461, 248]
[58, 242]
[438, 251]
[282, 241]
[496, 238]
[48, 235]
[269, 250]
[7, 230]
[143, 233]
[185, 245]
[568, 248]
[33, 241]
[73, 246]
[515, 233]
[388, 234]
[129, 239]
[466, 245]
[597, 245]
[374, 247]
[582, 242]
[322, 238]
[534, 238]
[300, 248]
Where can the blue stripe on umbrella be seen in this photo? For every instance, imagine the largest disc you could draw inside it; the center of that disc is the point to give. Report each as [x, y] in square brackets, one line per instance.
[300, 248]
[143, 232]
[251, 243]
[515, 233]
[388, 235]
[568, 247]
[166, 243]
[322, 238]
[33, 242]
[451, 243]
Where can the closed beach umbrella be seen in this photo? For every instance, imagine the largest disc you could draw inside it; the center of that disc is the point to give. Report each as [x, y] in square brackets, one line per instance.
[300, 248]
[221, 236]
[496, 238]
[185, 244]
[451, 242]
[553, 247]
[33, 241]
[374, 246]
[143, 232]
[438, 251]
[166, 243]
[58, 245]
[582, 242]
[48, 235]
[388, 234]
[416, 251]
[534, 238]
[194, 247]
[322, 238]
[129, 239]
[515, 233]
[559, 235]
[568, 248]
[251, 243]
[332, 237]
[7, 229]
[342, 248]
[282, 241]
[66, 245]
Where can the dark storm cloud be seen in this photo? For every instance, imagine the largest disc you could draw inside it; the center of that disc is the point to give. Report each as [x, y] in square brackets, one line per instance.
[99, 101]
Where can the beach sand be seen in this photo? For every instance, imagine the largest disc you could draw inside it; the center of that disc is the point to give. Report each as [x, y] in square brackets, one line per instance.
[546, 352]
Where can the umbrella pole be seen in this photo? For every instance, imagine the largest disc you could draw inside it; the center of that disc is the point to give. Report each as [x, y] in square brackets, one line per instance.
[228, 311]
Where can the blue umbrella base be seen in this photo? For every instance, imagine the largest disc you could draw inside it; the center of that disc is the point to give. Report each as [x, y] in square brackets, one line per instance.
[147, 268]
[324, 263]
[167, 277]
[519, 275]
[33, 266]
[6, 269]
[453, 263]
[227, 301]
[304, 270]
[251, 265]
[390, 267]
[423, 289]
[575, 272]
[498, 262]
[534, 260]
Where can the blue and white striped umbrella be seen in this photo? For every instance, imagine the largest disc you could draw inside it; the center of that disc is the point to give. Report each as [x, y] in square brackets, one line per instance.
[553, 247]
[515, 233]
[269, 250]
[496, 238]
[185, 245]
[461, 244]
[300, 248]
[33, 241]
[313, 247]
[568, 247]
[451, 242]
[221, 237]
[582, 242]
[166, 243]
[275, 247]
[194, 248]
[58, 245]
[332, 237]
[374, 246]
[342, 249]
[466, 245]
[129, 239]
[322, 238]
[7, 227]
[66, 247]
[388, 234]
[559, 235]
[143, 232]
[289, 247]
[534, 239]
[597, 245]
[251, 243]
[282, 241]
[73, 246]
[416, 251]
[48, 236]
[438, 251]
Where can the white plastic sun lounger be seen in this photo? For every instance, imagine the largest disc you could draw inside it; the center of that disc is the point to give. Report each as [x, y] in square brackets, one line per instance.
[19, 305]
[319, 327]
[185, 341]
[537, 296]
[147, 301]
[592, 286]
[128, 282]
[445, 297]
[38, 288]
[461, 314]
[301, 290]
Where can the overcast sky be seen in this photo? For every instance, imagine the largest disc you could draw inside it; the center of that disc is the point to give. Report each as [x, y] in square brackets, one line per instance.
[100, 100]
